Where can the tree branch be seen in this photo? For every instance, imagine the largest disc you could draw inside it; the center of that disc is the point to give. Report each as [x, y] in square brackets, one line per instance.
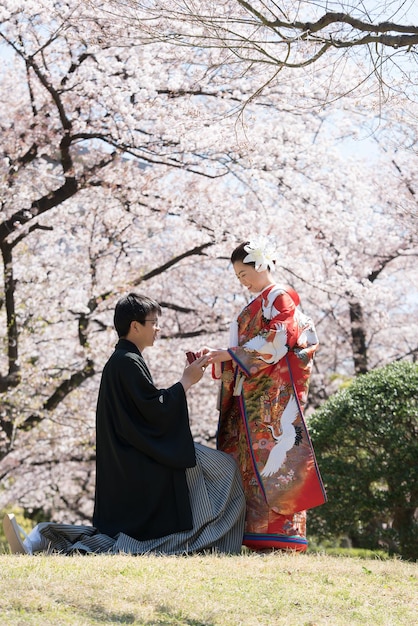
[409, 36]
[162, 268]
[66, 387]
[47, 202]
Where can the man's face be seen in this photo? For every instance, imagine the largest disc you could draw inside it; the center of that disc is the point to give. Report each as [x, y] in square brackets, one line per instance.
[146, 333]
[151, 329]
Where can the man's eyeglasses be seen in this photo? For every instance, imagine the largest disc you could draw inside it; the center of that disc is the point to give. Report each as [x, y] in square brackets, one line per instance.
[155, 323]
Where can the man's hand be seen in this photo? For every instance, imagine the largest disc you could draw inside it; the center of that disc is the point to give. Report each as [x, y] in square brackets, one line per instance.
[194, 372]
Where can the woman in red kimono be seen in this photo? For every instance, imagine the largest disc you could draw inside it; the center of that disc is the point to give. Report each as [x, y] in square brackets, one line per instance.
[264, 384]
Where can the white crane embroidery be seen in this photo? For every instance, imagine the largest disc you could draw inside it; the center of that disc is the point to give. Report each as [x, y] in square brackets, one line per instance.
[284, 441]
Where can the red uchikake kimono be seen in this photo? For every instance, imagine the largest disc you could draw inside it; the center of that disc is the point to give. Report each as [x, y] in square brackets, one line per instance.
[261, 423]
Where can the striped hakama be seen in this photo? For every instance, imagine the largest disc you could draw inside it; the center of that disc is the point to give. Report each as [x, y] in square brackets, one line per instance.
[218, 508]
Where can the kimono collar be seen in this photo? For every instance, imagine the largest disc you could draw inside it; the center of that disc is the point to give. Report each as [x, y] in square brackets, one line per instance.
[125, 344]
[256, 295]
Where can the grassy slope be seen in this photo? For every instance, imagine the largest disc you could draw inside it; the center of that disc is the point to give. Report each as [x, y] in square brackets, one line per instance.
[246, 590]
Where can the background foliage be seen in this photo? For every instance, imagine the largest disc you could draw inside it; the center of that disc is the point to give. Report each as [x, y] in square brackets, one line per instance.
[366, 442]
[131, 162]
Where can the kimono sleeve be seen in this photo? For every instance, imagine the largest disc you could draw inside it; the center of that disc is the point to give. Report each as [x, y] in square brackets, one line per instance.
[155, 421]
[274, 338]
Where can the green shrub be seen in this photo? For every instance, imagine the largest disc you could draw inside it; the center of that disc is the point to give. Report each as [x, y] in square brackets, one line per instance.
[366, 442]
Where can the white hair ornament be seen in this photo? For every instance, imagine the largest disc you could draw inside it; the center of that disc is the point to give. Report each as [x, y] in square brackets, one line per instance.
[262, 251]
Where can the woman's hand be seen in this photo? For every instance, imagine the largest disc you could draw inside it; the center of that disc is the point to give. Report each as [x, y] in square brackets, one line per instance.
[204, 350]
[219, 356]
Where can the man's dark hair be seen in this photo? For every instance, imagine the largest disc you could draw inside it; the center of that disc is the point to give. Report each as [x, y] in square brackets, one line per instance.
[133, 308]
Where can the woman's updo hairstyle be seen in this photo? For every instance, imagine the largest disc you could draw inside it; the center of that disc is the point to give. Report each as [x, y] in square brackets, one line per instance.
[240, 253]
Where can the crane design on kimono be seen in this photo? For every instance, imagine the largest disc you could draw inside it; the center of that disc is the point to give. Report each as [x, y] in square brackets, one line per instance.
[284, 441]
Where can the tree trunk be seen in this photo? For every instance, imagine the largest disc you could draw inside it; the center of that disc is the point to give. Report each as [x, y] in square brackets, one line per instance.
[358, 335]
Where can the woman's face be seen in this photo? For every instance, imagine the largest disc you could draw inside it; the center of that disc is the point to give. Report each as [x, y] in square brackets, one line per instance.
[251, 279]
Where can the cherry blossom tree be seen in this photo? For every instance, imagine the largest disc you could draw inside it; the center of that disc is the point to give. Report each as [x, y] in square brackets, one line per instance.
[129, 167]
[380, 37]
[60, 142]
[66, 124]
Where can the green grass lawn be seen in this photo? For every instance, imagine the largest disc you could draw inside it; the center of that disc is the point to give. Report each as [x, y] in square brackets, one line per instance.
[207, 590]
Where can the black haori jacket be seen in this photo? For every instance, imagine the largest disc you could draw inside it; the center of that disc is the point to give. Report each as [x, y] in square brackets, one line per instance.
[143, 447]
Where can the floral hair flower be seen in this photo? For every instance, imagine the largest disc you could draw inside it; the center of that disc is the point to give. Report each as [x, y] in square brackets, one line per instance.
[262, 252]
